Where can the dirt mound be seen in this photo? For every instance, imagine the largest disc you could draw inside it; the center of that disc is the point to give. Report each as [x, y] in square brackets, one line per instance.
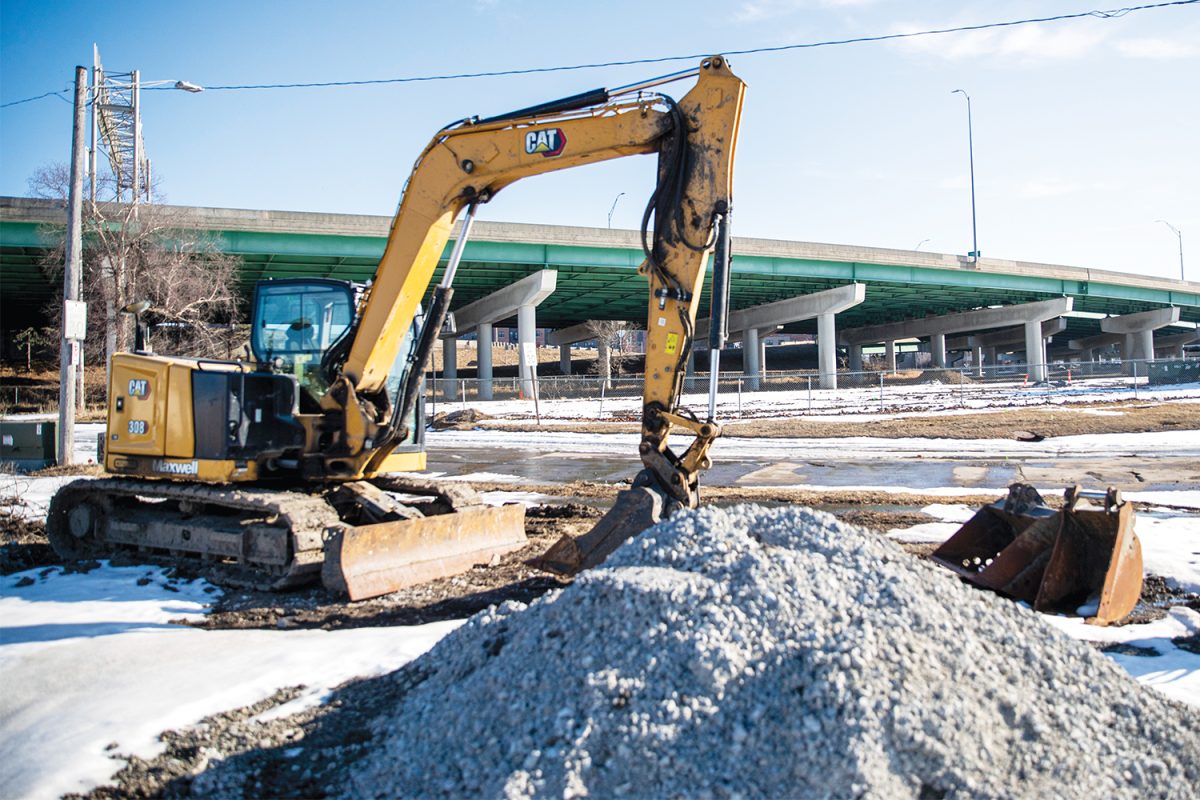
[23, 544]
[462, 419]
[943, 376]
[757, 652]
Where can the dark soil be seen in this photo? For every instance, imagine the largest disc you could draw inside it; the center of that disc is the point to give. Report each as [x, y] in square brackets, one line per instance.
[1044, 421]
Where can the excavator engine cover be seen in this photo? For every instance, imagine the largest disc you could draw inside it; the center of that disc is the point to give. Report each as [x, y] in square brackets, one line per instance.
[1082, 559]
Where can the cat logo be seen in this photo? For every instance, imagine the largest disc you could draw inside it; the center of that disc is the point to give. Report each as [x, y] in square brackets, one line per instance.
[139, 388]
[549, 142]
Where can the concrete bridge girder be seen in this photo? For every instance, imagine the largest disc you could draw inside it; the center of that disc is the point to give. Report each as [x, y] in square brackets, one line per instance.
[753, 322]
[1138, 331]
[1172, 346]
[1029, 315]
[522, 298]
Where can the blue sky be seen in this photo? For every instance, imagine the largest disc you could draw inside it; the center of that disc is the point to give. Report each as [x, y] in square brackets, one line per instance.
[1085, 131]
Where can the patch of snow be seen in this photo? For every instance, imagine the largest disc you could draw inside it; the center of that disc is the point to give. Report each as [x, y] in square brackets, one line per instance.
[527, 499]
[1173, 671]
[93, 658]
[486, 477]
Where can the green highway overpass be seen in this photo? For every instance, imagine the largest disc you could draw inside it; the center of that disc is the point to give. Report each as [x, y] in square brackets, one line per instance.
[596, 269]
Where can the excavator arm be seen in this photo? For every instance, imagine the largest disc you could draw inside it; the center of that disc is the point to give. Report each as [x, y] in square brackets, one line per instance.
[468, 163]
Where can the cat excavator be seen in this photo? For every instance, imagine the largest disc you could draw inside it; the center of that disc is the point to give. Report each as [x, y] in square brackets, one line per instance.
[282, 468]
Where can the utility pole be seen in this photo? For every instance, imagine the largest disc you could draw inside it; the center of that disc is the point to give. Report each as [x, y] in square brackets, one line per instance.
[74, 317]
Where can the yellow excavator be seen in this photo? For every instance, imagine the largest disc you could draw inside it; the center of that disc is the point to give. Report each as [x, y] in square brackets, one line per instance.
[282, 468]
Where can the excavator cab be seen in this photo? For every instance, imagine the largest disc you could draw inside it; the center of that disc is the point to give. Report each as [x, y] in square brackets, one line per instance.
[295, 324]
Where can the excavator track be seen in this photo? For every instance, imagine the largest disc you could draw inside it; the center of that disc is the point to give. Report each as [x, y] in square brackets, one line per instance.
[247, 537]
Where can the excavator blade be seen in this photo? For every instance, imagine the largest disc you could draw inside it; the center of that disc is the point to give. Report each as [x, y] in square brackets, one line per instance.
[1055, 561]
[371, 560]
[635, 510]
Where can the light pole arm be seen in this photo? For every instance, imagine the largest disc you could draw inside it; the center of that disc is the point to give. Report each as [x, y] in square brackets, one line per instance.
[1178, 235]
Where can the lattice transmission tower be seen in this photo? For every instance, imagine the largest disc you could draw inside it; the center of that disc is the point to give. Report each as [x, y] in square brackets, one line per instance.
[117, 132]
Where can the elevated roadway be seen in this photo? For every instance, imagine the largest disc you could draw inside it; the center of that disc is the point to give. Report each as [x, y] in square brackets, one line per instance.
[597, 269]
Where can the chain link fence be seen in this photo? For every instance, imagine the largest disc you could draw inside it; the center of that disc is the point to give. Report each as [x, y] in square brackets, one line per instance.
[741, 395]
[856, 392]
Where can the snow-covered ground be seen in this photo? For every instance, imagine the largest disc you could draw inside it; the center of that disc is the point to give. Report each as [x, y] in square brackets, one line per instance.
[96, 664]
[96, 659]
[841, 403]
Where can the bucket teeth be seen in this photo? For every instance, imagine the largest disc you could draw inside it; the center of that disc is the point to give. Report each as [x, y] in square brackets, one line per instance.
[634, 511]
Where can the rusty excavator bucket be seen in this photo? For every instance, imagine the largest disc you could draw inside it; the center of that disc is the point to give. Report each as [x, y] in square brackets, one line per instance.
[1080, 560]
[635, 510]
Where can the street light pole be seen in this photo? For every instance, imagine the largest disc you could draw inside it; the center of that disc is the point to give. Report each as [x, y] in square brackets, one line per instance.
[971, 155]
[1178, 235]
[614, 208]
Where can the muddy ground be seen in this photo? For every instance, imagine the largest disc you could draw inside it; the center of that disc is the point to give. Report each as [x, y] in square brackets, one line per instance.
[235, 755]
[1078, 419]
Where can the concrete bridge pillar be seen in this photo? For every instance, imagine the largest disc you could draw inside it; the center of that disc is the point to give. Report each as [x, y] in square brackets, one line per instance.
[977, 357]
[1145, 346]
[890, 354]
[527, 348]
[523, 297]
[854, 357]
[450, 368]
[564, 359]
[1035, 358]
[937, 349]
[827, 350]
[1138, 330]
[750, 357]
[483, 359]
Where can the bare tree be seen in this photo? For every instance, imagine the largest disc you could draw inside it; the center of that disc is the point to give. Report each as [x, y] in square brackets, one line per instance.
[609, 334]
[145, 252]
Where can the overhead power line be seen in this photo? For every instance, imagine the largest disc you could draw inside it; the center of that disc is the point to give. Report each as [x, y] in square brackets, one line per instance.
[1109, 14]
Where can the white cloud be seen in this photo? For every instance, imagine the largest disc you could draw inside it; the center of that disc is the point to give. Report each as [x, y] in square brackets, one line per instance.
[759, 10]
[1026, 43]
[1051, 187]
[1160, 49]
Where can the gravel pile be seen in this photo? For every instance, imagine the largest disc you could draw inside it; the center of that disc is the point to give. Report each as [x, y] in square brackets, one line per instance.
[752, 652]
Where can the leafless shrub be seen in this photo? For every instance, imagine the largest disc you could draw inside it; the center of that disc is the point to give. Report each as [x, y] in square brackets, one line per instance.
[610, 335]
